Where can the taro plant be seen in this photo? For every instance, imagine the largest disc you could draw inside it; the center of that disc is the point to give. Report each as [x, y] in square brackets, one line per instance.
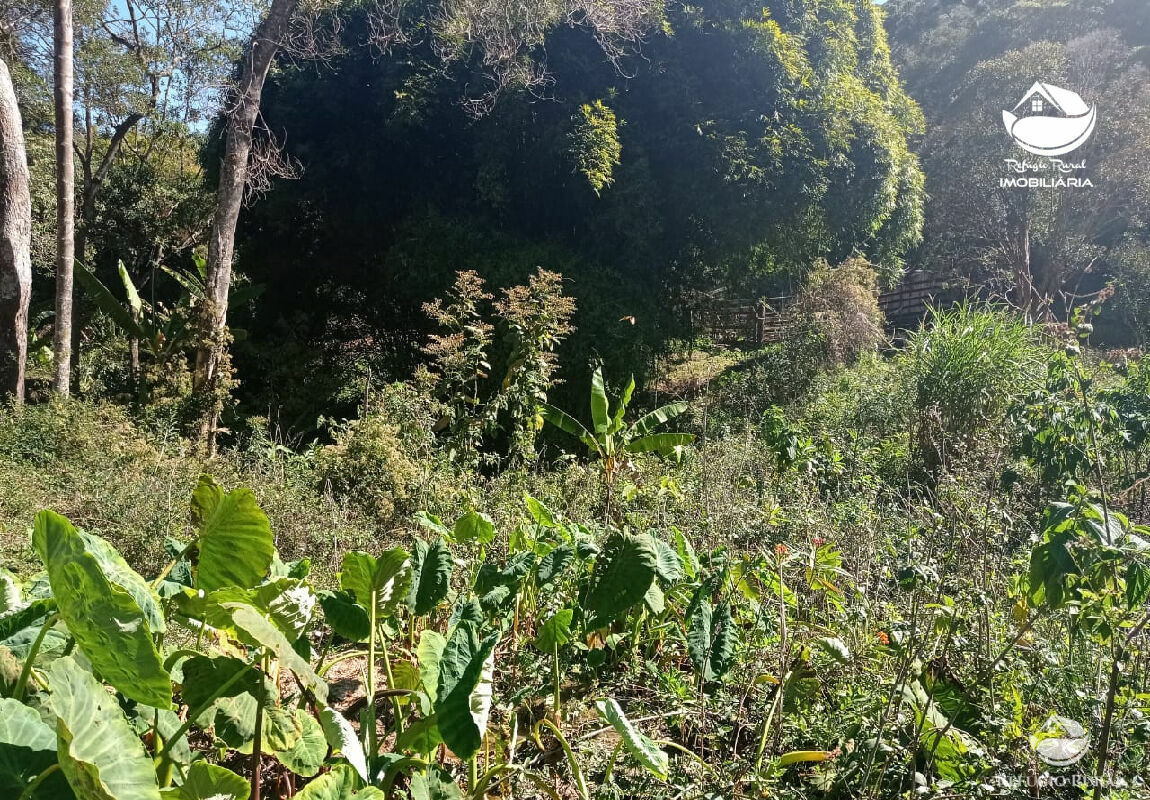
[612, 439]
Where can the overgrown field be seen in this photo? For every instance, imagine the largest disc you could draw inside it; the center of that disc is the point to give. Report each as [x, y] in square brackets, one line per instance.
[921, 573]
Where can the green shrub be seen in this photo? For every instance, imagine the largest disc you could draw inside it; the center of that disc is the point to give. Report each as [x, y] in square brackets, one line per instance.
[369, 465]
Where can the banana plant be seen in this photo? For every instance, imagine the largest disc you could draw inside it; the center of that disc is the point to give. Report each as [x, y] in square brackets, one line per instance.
[612, 438]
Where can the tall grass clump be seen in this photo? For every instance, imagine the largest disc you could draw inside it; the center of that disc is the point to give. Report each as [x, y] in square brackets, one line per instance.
[964, 366]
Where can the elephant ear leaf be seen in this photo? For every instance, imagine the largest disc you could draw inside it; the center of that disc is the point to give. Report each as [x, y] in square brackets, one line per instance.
[234, 539]
[119, 573]
[254, 629]
[104, 619]
[622, 575]
[99, 753]
[711, 639]
[342, 783]
[27, 748]
[387, 578]
[209, 782]
[646, 751]
[431, 566]
[463, 696]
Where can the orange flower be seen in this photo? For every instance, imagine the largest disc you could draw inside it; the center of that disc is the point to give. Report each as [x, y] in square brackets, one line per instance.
[883, 638]
[818, 541]
[780, 550]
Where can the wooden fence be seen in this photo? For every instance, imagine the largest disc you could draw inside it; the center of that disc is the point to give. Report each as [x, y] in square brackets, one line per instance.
[753, 323]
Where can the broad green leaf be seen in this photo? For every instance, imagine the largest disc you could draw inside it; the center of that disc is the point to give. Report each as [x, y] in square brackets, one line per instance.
[652, 757]
[624, 401]
[662, 443]
[622, 575]
[287, 602]
[552, 565]
[27, 748]
[539, 512]
[119, 573]
[234, 538]
[345, 616]
[106, 622]
[306, 755]
[652, 420]
[556, 631]
[430, 652]
[31, 615]
[1050, 564]
[1137, 585]
[342, 783]
[209, 782]
[836, 648]
[260, 632]
[421, 736]
[464, 691]
[474, 526]
[654, 599]
[100, 755]
[431, 566]
[234, 719]
[342, 738]
[599, 403]
[108, 302]
[568, 424]
[686, 553]
[205, 679]
[388, 576]
[436, 784]
[669, 566]
[134, 302]
[711, 639]
[432, 523]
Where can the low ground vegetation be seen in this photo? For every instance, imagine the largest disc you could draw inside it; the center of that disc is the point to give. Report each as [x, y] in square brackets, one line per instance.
[913, 576]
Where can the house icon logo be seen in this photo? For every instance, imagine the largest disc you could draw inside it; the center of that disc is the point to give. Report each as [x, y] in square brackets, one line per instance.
[1050, 121]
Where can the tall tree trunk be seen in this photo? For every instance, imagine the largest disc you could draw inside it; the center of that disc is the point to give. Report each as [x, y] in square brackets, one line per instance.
[15, 243]
[210, 358]
[65, 196]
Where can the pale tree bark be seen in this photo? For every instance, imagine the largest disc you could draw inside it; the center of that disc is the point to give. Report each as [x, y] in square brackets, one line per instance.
[15, 243]
[210, 357]
[65, 195]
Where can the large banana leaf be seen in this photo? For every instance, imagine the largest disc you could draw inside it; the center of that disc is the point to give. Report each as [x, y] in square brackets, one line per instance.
[662, 443]
[105, 620]
[568, 424]
[646, 423]
[234, 539]
[599, 404]
[99, 753]
[622, 575]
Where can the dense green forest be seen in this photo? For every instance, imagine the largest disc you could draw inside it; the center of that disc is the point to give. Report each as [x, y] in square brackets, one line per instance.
[442, 399]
